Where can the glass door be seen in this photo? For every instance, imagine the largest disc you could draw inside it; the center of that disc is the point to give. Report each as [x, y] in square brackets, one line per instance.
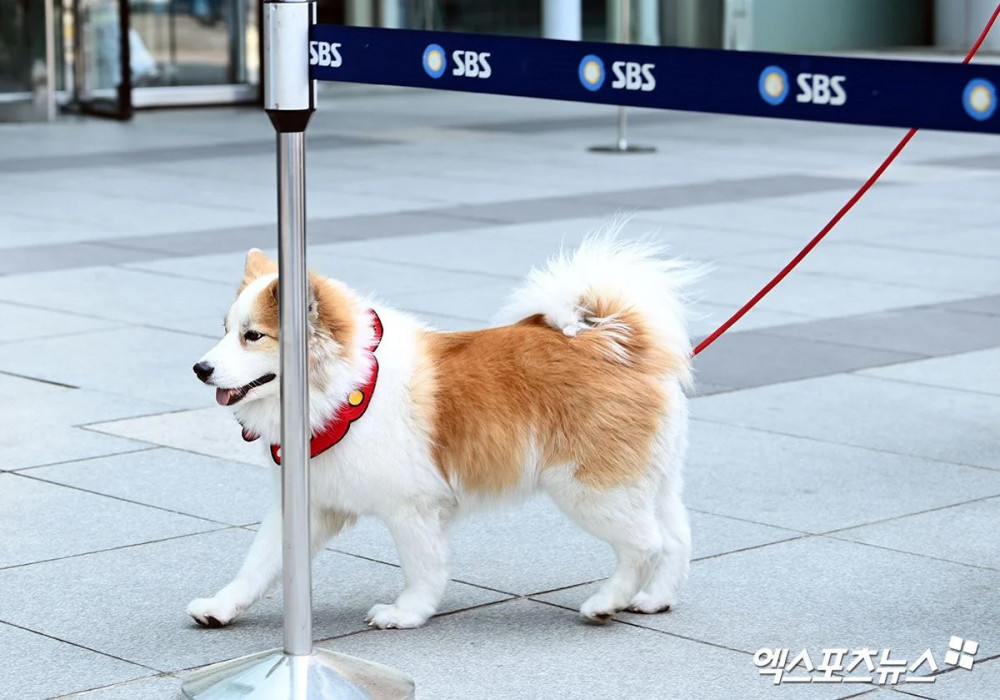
[27, 60]
[194, 51]
[103, 45]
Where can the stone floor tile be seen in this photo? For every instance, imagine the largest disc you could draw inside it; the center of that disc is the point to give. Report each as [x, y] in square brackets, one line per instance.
[211, 431]
[130, 602]
[533, 547]
[37, 667]
[971, 371]
[934, 331]
[119, 294]
[204, 487]
[28, 323]
[144, 363]
[757, 358]
[821, 593]
[959, 684]
[153, 688]
[812, 486]
[45, 521]
[907, 419]
[964, 533]
[526, 650]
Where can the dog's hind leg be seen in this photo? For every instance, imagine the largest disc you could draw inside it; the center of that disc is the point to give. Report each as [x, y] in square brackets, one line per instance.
[261, 568]
[671, 571]
[422, 545]
[625, 518]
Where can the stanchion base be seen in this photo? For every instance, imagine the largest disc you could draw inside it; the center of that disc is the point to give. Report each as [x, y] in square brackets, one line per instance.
[274, 675]
[622, 148]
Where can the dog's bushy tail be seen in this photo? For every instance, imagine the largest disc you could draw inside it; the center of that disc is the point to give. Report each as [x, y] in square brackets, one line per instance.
[621, 298]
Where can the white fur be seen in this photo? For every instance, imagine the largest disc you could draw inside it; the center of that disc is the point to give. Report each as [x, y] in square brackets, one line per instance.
[632, 272]
[384, 465]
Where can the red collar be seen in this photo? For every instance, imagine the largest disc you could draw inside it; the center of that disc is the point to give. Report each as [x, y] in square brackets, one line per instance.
[352, 409]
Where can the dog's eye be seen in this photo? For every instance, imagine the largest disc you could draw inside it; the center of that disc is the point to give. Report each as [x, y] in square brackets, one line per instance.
[252, 336]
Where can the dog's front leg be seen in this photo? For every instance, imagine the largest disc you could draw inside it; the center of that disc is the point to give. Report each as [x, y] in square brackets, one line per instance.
[422, 545]
[255, 578]
[263, 565]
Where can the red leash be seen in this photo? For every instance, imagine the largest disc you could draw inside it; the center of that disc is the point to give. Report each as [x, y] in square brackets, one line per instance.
[837, 217]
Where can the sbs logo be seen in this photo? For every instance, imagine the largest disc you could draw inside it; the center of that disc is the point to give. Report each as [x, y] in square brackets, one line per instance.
[773, 85]
[630, 75]
[591, 72]
[467, 64]
[323, 53]
[813, 88]
[819, 89]
[470, 64]
[980, 99]
[435, 61]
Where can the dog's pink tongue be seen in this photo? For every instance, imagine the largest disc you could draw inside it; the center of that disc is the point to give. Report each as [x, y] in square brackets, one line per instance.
[224, 395]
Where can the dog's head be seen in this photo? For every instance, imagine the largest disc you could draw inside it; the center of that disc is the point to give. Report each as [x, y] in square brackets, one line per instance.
[244, 365]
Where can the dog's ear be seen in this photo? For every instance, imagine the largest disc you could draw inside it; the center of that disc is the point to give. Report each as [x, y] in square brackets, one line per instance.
[330, 310]
[257, 264]
[315, 282]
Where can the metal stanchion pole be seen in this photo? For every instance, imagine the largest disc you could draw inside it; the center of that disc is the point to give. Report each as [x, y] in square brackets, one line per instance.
[625, 37]
[50, 60]
[298, 671]
[622, 145]
[292, 294]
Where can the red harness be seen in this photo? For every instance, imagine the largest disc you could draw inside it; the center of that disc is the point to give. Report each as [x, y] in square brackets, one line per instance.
[352, 409]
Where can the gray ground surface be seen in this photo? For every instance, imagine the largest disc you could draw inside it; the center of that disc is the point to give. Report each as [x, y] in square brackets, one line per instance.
[844, 470]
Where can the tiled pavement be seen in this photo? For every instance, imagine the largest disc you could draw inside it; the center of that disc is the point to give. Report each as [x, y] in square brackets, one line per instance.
[844, 471]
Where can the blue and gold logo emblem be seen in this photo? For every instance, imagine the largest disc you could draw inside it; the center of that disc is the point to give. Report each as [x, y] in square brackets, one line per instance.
[980, 99]
[773, 85]
[591, 72]
[435, 60]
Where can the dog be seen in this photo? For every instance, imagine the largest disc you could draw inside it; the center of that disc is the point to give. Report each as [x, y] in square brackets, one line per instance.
[582, 397]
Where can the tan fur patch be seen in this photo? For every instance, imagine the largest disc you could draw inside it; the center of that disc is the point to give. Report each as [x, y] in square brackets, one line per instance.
[257, 265]
[332, 309]
[336, 315]
[265, 316]
[489, 396]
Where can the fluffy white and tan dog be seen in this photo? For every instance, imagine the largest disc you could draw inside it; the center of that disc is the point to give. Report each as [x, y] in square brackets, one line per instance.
[582, 398]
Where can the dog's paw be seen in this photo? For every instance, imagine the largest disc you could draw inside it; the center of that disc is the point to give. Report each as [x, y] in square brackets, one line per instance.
[598, 608]
[210, 612]
[394, 617]
[647, 605]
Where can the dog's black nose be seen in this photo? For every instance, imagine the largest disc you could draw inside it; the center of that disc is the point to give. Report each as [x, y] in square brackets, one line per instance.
[203, 370]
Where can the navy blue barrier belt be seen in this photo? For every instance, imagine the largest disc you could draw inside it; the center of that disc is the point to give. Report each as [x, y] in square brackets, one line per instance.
[923, 94]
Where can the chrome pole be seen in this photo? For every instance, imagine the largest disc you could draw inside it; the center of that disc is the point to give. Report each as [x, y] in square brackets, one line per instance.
[289, 102]
[298, 671]
[621, 144]
[50, 60]
[624, 35]
[293, 296]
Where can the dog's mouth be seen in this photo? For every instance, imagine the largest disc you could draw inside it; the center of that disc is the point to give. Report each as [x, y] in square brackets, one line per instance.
[228, 397]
